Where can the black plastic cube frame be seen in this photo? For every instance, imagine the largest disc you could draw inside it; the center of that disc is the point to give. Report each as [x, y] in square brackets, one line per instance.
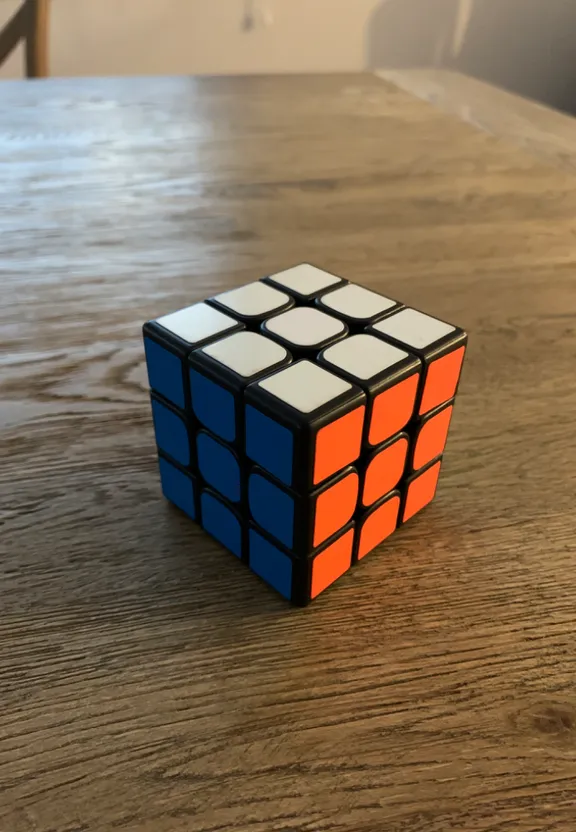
[241, 507]
[306, 300]
[362, 516]
[357, 325]
[191, 427]
[232, 382]
[182, 349]
[204, 488]
[404, 488]
[310, 352]
[196, 482]
[369, 456]
[253, 322]
[304, 508]
[302, 567]
[414, 429]
[376, 385]
[449, 343]
[304, 426]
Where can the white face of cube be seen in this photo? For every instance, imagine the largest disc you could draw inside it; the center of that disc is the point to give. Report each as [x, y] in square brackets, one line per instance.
[305, 327]
[305, 279]
[196, 323]
[364, 356]
[253, 299]
[414, 329]
[305, 386]
[357, 302]
[246, 353]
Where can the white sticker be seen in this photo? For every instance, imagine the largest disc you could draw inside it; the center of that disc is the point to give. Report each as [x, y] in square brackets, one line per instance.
[246, 353]
[305, 386]
[364, 356]
[305, 327]
[196, 323]
[305, 279]
[253, 299]
[357, 302]
[415, 329]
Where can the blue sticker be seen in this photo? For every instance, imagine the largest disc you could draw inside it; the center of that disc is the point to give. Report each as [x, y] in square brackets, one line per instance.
[272, 509]
[177, 487]
[269, 444]
[270, 564]
[213, 405]
[219, 467]
[221, 522]
[165, 372]
[171, 433]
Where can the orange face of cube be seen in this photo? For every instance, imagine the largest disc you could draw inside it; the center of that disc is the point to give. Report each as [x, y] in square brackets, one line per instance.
[384, 471]
[392, 409]
[431, 440]
[442, 379]
[338, 444]
[330, 564]
[421, 491]
[335, 507]
[378, 526]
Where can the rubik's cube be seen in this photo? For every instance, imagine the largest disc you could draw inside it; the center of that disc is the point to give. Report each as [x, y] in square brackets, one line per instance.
[301, 419]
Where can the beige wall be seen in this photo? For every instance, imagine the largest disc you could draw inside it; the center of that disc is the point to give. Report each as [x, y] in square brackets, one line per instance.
[117, 37]
[528, 46]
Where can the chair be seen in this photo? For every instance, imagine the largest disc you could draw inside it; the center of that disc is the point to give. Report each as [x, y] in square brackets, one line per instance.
[30, 24]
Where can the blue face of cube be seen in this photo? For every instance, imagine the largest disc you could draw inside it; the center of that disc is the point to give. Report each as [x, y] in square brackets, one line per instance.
[165, 372]
[269, 444]
[213, 405]
[221, 522]
[177, 487]
[270, 564]
[171, 433]
[219, 467]
[272, 509]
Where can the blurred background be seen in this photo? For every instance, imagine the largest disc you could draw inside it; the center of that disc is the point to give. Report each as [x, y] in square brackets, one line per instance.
[526, 46]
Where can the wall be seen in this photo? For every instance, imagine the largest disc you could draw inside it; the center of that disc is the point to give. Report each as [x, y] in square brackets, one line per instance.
[527, 46]
[119, 37]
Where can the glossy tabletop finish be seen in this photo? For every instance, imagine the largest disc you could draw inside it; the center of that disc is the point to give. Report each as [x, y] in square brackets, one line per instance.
[148, 682]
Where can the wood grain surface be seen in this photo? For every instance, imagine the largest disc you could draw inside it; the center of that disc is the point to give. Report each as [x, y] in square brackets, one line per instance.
[148, 682]
[543, 131]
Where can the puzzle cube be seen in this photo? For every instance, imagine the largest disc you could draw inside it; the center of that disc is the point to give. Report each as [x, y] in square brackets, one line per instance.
[301, 419]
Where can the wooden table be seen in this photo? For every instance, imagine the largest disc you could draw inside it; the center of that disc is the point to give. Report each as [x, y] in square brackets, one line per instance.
[148, 682]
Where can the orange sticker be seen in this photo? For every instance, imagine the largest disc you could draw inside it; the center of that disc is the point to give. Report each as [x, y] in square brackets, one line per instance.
[432, 438]
[331, 563]
[338, 444]
[378, 526]
[384, 471]
[442, 380]
[393, 409]
[421, 491]
[335, 507]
